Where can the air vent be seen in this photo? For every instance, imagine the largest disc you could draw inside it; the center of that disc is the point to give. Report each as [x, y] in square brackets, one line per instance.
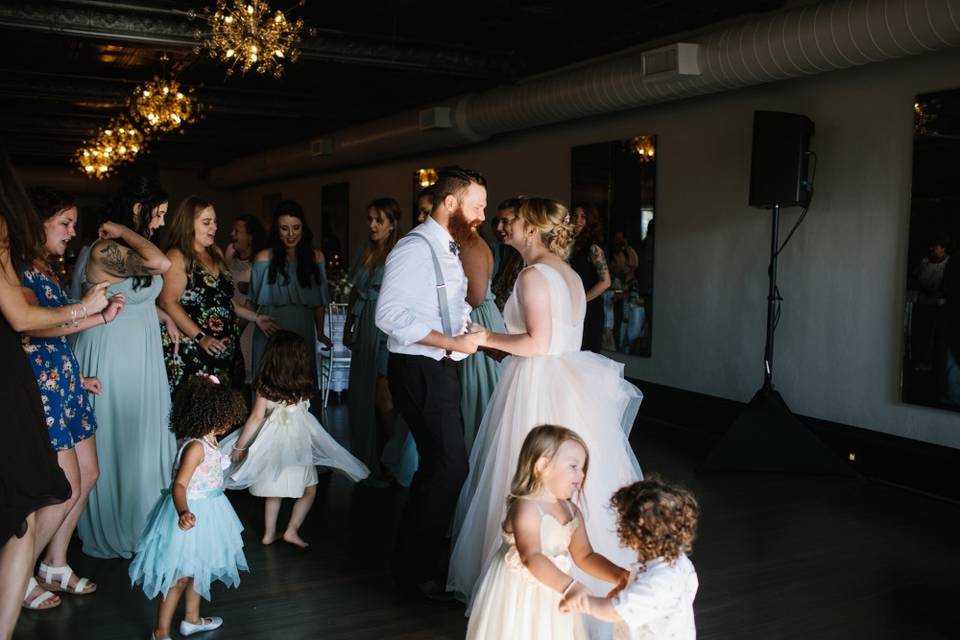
[321, 147]
[673, 61]
[435, 118]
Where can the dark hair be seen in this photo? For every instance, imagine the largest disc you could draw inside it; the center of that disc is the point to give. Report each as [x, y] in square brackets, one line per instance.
[592, 232]
[430, 193]
[307, 271]
[201, 406]
[286, 368]
[48, 202]
[453, 181]
[510, 203]
[389, 209]
[255, 228]
[149, 194]
[656, 519]
[23, 229]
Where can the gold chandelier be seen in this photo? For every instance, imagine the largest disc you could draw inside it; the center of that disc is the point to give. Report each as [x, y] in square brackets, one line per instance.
[161, 105]
[425, 177]
[248, 34]
[120, 141]
[643, 146]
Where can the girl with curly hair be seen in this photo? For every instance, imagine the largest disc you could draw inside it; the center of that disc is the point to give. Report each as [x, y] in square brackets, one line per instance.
[659, 522]
[192, 537]
[281, 443]
[549, 380]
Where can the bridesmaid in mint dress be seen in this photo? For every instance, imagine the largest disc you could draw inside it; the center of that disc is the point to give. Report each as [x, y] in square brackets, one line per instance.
[479, 372]
[371, 423]
[134, 445]
[288, 281]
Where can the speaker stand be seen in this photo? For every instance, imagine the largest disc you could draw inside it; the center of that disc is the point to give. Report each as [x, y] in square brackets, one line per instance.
[766, 436]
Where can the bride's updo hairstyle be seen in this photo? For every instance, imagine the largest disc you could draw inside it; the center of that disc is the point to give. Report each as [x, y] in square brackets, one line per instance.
[554, 222]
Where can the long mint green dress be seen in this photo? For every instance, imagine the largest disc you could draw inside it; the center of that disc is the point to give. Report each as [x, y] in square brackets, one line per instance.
[134, 443]
[368, 361]
[291, 305]
[479, 373]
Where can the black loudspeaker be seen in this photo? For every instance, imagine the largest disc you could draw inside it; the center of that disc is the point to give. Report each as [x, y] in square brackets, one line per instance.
[781, 160]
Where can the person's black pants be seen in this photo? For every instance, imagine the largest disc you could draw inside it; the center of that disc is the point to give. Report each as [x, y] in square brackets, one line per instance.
[426, 392]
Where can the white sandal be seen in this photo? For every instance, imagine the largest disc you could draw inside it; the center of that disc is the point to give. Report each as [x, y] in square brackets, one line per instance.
[37, 603]
[48, 575]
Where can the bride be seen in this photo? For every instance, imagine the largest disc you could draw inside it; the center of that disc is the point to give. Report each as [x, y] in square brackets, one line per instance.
[548, 381]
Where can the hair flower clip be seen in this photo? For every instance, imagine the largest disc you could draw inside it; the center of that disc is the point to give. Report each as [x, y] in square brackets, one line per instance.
[209, 376]
[566, 218]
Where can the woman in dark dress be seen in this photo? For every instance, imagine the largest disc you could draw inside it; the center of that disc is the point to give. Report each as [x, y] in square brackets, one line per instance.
[30, 478]
[588, 260]
[198, 294]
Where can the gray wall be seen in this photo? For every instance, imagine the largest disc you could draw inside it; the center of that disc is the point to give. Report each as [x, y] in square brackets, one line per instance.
[843, 275]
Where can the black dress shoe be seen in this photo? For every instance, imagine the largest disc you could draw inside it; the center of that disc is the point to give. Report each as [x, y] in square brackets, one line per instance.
[433, 590]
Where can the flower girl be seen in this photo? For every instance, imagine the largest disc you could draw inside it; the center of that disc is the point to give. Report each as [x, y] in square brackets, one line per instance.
[281, 443]
[192, 537]
[543, 537]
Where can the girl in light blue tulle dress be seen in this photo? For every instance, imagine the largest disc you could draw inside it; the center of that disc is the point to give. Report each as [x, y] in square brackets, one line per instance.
[192, 537]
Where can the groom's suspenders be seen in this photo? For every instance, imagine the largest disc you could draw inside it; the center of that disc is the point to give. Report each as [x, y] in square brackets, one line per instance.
[441, 286]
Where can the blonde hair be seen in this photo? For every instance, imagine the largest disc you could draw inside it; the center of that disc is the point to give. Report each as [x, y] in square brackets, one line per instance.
[553, 221]
[542, 442]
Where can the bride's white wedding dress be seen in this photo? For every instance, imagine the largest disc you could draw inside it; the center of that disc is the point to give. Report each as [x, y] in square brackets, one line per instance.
[576, 389]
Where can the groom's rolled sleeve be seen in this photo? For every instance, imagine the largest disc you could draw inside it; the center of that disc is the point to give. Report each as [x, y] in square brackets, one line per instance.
[405, 273]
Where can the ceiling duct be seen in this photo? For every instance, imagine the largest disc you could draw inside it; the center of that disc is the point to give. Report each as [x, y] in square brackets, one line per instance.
[799, 42]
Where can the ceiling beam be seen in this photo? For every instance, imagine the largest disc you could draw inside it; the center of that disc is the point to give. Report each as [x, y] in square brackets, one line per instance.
[113, 92]
[175, 29]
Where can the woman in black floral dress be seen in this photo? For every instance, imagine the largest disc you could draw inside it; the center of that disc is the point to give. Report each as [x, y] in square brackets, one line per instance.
[198, 294]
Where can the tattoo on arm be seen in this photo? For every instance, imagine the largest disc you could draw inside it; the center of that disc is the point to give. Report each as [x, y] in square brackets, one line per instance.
[117, 264]
[599, 260]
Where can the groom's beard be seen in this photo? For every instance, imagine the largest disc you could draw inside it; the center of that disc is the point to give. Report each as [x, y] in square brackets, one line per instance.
[461, 229]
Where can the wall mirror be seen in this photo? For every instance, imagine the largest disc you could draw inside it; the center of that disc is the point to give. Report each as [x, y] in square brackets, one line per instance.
[931, 344]
[615, 182]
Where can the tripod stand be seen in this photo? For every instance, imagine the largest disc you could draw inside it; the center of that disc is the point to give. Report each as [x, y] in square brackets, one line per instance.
[766, 436]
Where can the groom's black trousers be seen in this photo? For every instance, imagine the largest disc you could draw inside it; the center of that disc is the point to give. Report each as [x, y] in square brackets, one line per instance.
[426, 392]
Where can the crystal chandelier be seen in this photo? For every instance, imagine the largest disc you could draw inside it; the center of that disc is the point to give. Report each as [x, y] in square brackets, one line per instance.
[161, 105]
[425, 177]
[95, 160]
[249, 35]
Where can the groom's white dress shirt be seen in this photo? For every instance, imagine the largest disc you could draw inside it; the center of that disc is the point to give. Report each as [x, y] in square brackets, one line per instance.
[408, 309]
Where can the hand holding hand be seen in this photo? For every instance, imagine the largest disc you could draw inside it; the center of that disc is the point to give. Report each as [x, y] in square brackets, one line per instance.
[325, 341]
[464, 344]
[576, 599]
[478, 333]
[92, 384]
[621, 583]
[187, 521]
[95, 299]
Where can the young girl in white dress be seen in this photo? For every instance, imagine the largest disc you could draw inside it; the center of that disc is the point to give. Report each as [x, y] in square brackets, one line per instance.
[543, 537]
[549, 380]
[281, 444]
[192, 537]
[659, 521]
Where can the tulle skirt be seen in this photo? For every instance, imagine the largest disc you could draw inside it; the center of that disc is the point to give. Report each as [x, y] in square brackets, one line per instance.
[210, 551]
[290, 437]
[511, 603]
[579, 390]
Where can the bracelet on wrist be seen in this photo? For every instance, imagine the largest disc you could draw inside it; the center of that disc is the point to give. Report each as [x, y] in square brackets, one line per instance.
[200, 336]
[568, 587]
[103, 317]
[238, 448]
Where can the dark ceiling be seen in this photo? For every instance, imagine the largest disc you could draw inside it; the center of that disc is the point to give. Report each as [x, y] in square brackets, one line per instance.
[69, 65]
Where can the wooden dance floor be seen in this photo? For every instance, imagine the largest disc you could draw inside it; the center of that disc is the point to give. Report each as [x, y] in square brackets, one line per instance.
[778, 557]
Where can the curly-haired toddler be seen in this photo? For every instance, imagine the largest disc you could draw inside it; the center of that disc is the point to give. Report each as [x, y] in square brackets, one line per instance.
[659, 522]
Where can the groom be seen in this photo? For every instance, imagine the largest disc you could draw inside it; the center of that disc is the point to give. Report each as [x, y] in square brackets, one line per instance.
[423, 310]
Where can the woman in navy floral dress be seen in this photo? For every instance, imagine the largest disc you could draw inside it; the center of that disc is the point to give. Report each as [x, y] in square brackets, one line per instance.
[70, 421]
